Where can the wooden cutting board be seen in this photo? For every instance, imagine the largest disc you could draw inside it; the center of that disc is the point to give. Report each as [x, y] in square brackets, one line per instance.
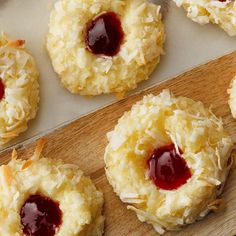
[83, 141]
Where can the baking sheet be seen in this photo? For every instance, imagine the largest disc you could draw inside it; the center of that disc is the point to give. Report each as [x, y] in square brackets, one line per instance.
[188, 45]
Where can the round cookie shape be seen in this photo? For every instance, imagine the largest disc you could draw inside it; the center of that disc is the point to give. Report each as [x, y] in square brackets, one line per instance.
[132, 60]
[232, 97]
[19, 88]
[31, 190]
[220, 12]
[188, 137]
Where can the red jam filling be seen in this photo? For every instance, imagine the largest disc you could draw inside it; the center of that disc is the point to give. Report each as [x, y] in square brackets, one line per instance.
[167, 168]
[104, 34]
[40, 216]
[2, 90]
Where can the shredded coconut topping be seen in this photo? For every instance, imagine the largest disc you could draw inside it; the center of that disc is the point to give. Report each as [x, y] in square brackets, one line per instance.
[88, 74]
[80, 202]
[20, 78]
[160, 120]
[215, 11]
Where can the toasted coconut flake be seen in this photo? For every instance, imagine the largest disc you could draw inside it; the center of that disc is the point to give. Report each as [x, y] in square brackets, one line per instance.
[15, 44]
[7, 174]
[38, 149]
[26, 164]
[14, 154]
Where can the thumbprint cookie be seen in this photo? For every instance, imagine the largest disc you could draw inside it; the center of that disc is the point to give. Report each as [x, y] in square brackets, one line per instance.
[19, 88]
[168, 159]
[220, 12]
[106, 46]
[45, 197]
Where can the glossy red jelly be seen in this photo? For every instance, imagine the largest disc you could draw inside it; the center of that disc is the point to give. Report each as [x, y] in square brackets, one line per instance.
[105, 35]
[167, 168]
[40, 216]
[2, 90]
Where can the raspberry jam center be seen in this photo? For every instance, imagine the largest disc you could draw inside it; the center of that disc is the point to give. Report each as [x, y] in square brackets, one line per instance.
[2, 90]
[167, 168]
[105, 34]
[40, 216]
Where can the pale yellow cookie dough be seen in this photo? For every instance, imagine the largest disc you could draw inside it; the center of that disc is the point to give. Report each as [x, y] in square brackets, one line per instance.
[88, 74]
[20, 76]
[157, 121]
[214, 11]
[80, 202]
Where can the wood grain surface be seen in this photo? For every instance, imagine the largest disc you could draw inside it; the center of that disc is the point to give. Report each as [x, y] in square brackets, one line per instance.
[83, 141]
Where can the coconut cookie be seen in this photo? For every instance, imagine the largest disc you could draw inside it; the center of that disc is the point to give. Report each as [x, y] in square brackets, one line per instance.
[168, 158]
[19, 88]
[220, 12]
[106, 46]
[45, 197]
[232, 97]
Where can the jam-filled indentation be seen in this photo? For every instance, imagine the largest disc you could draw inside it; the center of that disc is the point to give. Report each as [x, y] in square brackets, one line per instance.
[40, 216]
[167, 168]
[104, 34]
[2, 89]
